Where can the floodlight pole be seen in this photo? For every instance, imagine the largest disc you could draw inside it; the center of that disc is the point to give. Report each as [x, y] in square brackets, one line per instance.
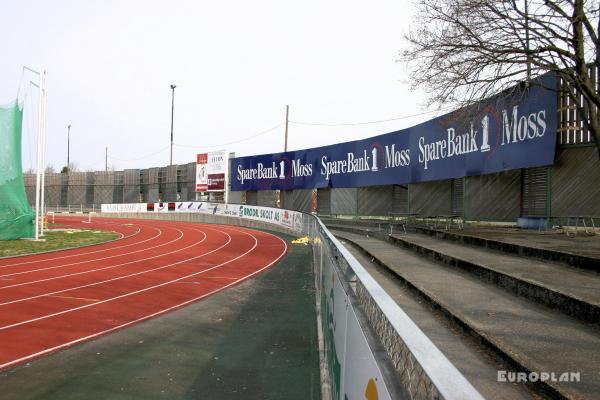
[68, 148]
[287, 120]
[172, 112]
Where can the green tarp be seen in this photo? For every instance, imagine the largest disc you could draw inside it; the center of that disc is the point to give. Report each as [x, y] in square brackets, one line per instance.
[16, 216]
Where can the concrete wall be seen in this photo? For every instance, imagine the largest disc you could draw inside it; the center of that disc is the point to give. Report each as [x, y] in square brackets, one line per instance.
[252, 198]
[267, 198]
[76, 190]
[324, 201]
[575, 182]
[493, 197]
[131, 186]
[301, 200]
[375, 200]
[344, 201]
[430, 198]
[573, 189]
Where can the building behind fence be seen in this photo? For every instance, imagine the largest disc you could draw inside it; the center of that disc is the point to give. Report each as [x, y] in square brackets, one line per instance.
[570, 187]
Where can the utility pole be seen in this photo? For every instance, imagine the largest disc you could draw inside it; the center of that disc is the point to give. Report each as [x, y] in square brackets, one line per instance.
[287, 120]
[172, 112]
[68, 148]
[106, 160]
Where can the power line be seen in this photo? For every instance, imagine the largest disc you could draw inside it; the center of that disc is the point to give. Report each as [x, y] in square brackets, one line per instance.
[182, 145]
[139, 158]
[235, 141]
[367, 122]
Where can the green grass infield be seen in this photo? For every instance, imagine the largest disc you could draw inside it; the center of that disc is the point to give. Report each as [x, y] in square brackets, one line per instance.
[55, 240]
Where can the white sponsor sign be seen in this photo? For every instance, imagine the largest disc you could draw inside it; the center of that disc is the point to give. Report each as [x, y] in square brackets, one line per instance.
[118, 208]
[353, 370]
[288, 219]
[217, 162]
[366, 381]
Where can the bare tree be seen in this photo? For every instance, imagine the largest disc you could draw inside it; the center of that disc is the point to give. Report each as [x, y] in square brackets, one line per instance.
[49, 169]
[461, 51]
[72, 167]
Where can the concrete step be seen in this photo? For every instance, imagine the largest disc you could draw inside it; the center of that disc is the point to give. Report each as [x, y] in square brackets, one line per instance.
[531, 337]
[468, 355]
[580, 251]
[573, 291]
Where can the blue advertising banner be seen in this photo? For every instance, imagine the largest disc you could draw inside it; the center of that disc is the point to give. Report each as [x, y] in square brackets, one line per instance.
[515, 129]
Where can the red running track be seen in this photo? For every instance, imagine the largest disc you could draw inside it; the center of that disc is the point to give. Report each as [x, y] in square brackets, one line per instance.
[54, 300]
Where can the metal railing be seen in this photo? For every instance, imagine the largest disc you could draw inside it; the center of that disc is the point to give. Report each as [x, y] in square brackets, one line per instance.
[365, 332]
[423, 372]
[71, 208]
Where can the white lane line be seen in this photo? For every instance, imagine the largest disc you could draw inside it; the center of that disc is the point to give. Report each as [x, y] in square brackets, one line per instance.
[140, 290]
[74, 298]
[82, 262]
[90, 261]
[146, 317]
[124, 276]
[94, 270]
[86, 253]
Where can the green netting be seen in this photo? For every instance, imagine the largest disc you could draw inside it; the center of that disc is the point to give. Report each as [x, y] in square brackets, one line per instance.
[16, 216]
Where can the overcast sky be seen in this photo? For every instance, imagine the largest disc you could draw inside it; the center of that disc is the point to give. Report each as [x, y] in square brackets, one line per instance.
[236, 65]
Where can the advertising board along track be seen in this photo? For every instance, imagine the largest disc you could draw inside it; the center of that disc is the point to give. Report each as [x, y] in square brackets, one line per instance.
[342, 319]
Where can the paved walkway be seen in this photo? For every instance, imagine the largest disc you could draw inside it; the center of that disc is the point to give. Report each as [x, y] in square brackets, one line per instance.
[257, 340]
[580, 244]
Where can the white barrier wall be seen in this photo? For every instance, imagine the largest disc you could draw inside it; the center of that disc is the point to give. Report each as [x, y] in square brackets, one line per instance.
[288, 219]
[357, 355]
[353, 369]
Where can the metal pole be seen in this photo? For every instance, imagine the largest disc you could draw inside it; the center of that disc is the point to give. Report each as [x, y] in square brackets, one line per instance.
[172, 112]
[106, 160]
[68, 147]
[287, 119]
[38, 179]
[37, 175]
[43, 123]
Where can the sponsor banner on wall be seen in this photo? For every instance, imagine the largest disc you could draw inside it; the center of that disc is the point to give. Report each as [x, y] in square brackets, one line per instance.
[353, 370]
[216, 182]
[217, 167]
[516, 129]
[117, 208]
[366, 380]
[273, 215]
[202, 172]
[334, 352]
[161, 207]
[288, 219]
